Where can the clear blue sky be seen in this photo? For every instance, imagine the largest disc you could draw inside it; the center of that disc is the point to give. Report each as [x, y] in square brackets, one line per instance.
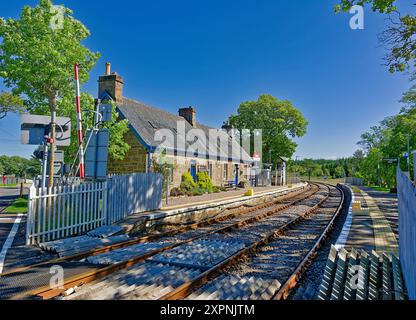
[216, 54]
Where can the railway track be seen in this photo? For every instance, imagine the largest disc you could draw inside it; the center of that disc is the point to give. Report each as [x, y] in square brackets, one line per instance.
[212, 267]
[158, 266]
[34, 279]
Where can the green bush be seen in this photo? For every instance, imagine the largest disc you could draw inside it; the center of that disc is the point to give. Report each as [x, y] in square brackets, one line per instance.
[197, 191]
[188, 183]
[176, 192]
[204, 181]
[216, 189]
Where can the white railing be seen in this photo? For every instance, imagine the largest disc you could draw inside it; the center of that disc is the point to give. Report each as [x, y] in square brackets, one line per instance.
[60, 212]
[407, 230]
[65, 211]
[354, 181]
[133, 193]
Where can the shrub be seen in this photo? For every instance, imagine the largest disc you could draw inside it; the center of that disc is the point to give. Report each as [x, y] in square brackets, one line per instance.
[204, 181]
[216, 189]
[176, 192]
[197, 191]
[243, 184]
[188, 183]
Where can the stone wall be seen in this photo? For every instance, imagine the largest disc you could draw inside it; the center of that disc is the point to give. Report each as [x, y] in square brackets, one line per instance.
[182, 165]
[135, 160]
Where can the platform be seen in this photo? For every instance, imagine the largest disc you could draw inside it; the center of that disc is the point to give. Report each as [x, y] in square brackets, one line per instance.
[185, 210]
[372, 222]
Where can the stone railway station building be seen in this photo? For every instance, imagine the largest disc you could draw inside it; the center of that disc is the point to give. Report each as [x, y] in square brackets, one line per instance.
[227, 163]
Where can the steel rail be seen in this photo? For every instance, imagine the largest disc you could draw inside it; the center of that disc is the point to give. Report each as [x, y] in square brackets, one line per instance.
[187, 288]
[292, 282]
[47, 293]
[145, 239]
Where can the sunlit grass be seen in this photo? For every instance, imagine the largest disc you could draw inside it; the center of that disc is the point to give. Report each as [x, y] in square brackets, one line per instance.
[19, 206]
[382, 189]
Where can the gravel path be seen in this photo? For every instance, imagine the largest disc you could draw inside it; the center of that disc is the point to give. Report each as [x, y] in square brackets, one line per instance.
[174, 202]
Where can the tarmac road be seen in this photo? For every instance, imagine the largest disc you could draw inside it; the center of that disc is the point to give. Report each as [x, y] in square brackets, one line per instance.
[7, 196]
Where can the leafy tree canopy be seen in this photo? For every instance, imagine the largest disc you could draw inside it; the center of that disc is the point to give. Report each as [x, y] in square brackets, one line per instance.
[279, 120]
[19, 166]
[37, 60]
[10, 103]
[383, 6]
[400, 36]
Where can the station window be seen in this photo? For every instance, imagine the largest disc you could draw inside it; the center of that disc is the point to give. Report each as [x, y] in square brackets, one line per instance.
[225, 171]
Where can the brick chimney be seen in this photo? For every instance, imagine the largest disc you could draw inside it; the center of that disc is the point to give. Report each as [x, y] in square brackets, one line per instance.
[112, 83]
[227, 127]
[189, 114]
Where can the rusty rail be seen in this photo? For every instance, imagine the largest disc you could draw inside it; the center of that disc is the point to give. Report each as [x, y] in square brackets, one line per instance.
[291, 283]
[189, 287]
[150, 238]
[47, 293]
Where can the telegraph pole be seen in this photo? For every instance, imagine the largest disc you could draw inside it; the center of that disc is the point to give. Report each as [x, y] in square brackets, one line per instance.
[52, 146]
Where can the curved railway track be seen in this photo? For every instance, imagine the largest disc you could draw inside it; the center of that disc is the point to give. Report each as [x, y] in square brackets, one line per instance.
[174, 264]
[206, 269]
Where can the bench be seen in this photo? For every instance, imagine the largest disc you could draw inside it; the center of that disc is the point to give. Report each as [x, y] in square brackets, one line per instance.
[229, 185]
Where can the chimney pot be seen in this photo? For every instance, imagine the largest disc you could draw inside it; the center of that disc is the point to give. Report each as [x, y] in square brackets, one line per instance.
[112, 84]
[189, 114]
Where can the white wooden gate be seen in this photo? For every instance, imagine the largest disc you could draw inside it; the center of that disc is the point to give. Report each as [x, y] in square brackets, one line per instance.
[60, 212]
[133, 193]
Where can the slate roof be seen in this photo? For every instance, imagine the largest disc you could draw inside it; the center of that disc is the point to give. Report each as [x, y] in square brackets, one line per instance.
[146, 120]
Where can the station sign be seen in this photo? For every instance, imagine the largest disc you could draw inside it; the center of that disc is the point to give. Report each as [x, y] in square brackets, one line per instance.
[34, 128]
[256, 157]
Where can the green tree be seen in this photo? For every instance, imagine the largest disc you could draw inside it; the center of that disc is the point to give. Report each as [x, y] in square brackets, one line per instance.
[400, 36]
[33, 168]
[318, 172]
[359, 155]
[10, 103]
[371, 169]
[19, 166]
[118, 148]
[339, 172]
[279, 120]
[38, 62]
[310, 166]
[14, 165]
[37, 59]
[383, 6]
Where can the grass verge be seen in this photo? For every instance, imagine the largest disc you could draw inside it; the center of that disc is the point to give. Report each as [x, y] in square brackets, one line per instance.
[19, 206]
[378, 188]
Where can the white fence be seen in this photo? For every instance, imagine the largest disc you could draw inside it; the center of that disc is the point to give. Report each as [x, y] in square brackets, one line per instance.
[60, 212]
[133, 193]
[65, 211]
[354, 181]
[407, 230]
